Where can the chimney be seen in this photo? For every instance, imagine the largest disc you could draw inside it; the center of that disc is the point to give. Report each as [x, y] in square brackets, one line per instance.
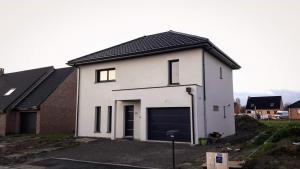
[1, 71]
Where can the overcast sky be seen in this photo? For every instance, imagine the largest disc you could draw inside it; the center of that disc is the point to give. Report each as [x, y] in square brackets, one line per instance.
[263, 36]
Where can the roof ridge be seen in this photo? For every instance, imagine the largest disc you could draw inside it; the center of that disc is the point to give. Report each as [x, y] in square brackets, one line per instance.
[48, 67]
[189, 35]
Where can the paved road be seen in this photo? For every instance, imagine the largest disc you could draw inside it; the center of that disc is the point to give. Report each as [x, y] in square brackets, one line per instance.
[70, 164]
[135, 153]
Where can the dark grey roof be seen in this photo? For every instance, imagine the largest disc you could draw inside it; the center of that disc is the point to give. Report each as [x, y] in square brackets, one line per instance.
[295, 105]
[41, 93]
[266, 102]
[155, 44]
[24, 82]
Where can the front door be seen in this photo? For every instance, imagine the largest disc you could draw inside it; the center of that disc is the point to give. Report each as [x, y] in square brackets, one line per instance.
[129, 120]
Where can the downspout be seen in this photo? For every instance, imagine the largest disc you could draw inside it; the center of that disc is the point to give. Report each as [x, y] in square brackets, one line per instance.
[189, 91]
[77, 104]
[204, 93]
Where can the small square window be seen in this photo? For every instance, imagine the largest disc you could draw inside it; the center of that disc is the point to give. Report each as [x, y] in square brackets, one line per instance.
[216, 108]
[272, 104]
[10, 91]
[298, 111]
[221, 73]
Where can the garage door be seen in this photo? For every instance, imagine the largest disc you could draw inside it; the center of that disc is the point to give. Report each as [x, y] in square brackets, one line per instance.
[160, 120]
[28, 122]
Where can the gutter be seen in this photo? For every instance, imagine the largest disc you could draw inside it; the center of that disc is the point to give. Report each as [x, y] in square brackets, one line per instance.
[189, 91]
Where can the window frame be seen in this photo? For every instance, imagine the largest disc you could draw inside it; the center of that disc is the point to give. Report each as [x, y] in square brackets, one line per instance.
[98, 75]
[97, 119]
[170, 71]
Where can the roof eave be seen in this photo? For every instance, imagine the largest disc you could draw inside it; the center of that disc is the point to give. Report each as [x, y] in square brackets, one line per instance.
[121, 57]
[222, 56]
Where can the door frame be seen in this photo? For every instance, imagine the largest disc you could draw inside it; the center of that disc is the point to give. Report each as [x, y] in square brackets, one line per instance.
[124, 115]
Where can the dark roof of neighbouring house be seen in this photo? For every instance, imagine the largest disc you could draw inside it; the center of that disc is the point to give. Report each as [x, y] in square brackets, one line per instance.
[295, 105]
[32, 87]
[266, 102]
[23, 82]
[41, 93]
[155, 44]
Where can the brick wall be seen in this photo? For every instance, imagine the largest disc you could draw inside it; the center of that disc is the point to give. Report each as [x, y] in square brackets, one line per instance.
[237, 108]
[11, 120]
[267, 112]
[294, 114]
[2, 124]
[58, 112]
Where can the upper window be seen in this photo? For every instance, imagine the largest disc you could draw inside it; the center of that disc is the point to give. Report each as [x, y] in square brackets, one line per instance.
[272, 104]
[10, 91]
[106, 75]
[174, 71]
[221, 73]
[298, 111]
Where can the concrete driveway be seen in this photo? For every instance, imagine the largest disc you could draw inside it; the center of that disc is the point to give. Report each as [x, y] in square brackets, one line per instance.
[133, 153]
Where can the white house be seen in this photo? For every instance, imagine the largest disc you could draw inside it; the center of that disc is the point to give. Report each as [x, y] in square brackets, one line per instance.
[145, 87]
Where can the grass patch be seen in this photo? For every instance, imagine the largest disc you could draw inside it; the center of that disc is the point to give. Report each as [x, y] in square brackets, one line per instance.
[280, 123]
[283, 129]
[267, 146]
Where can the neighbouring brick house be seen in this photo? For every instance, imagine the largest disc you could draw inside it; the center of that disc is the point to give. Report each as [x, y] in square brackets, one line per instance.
[266, 106]
[38, 101]
[294, 111]
[237, 108]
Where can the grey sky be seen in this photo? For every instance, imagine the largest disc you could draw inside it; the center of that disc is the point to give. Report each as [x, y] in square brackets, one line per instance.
[261, 35]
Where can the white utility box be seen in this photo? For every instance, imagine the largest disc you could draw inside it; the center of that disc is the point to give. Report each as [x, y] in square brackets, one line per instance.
[217, 160]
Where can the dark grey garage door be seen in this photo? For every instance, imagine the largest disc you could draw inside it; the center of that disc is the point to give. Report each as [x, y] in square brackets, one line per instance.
[28, 122]
[160, 120]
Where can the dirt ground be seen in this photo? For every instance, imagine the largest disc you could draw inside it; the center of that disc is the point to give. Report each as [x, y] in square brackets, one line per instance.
[16, 149]
[263, 145]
